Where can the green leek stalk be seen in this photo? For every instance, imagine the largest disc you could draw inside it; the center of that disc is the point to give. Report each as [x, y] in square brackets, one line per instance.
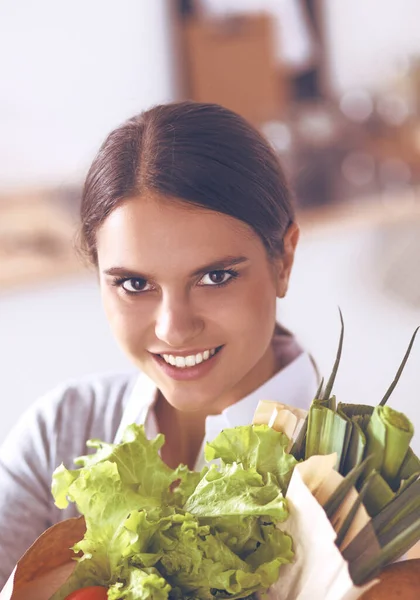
[400, 369]
[340, 493]
[363, 570]
[299, 445]
[405, 503]
[410, 466]
[374, 455]
[388, 436]
[397, 529]
[345, 526]
[378, 495]
[355, 444]
[327, 431]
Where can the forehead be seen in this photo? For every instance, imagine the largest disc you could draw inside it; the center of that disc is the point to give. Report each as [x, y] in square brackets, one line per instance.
[149, 229]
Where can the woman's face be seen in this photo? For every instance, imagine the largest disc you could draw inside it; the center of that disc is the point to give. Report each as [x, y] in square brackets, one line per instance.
[191, 298]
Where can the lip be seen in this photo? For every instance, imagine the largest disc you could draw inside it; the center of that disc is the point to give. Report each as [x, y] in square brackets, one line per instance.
[188, 373]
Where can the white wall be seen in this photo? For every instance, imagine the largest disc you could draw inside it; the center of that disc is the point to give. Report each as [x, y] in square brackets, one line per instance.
[337, 267]
[368, 38]
[49, 335]
[69, 73]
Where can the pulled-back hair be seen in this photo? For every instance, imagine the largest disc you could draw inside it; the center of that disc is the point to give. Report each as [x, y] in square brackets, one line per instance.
[202, 154]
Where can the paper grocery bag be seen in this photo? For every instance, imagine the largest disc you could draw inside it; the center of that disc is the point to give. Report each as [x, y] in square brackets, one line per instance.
[319, 571]
[399, 580]
[47, 564]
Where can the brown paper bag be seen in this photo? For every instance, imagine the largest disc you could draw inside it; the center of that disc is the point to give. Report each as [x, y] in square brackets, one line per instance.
[47, 564]
[319, 571]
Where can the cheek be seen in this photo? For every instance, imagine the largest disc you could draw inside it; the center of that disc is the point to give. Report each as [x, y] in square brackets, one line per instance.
[128, 325]
[110, 307]
[259, 310]
[250, 312]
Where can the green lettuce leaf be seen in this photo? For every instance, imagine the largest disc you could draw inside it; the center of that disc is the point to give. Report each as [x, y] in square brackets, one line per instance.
[256, 447]
[142, 584]
[155, 532]
[139, 464]
[199, 562]
[235, 490]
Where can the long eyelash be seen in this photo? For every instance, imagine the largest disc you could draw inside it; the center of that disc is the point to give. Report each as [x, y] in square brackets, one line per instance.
[234, 274]
[118, 281]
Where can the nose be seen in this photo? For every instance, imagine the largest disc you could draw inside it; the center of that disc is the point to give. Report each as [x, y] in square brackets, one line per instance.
[176, 323]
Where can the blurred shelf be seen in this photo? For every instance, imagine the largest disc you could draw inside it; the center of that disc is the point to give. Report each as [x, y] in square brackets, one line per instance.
[36, 240]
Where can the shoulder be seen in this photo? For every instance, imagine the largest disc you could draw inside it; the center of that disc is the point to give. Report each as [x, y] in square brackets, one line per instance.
[90, 407]
[59, 423]
[102, 394]
[97, 394]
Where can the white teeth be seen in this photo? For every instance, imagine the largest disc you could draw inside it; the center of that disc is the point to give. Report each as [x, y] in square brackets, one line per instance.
[188, 361]
[180, 361]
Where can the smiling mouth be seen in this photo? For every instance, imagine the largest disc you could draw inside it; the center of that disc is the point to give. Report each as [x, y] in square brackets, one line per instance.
[184, 362]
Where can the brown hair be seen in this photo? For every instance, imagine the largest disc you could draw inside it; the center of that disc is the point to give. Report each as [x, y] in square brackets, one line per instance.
[203, 154]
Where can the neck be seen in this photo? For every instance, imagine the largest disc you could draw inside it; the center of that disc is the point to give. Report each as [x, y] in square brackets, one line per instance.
[184, 431]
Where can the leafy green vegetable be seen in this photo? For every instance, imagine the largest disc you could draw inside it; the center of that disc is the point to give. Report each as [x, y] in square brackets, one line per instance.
[375, 440]
[237, 491]
[142, 584]
[327, 433]
[390, 432]
[256, 447]
[157, 533]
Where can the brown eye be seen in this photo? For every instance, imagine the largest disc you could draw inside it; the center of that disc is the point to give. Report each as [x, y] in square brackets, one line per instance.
[134, 285]
[216, 278]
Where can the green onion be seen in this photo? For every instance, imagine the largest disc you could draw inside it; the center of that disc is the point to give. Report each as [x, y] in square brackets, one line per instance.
[299, 445]
[410, 466]
[378, 495]
[337, 498]
[345, 526]
[388, 435]
[406, 502]
[330, 384]
[397, 529]
[326, 434]
[362, 569]
[374, 456]
[400, 370]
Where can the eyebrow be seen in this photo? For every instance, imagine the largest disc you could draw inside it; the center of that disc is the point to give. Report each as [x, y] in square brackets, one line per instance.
[218, 265]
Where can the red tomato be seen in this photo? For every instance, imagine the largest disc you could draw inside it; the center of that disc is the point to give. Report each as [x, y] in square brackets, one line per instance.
[94, 592]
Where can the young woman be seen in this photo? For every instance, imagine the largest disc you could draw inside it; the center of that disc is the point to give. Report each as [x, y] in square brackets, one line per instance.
[188, 221]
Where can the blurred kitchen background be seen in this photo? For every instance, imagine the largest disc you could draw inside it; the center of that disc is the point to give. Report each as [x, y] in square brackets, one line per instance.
[335, 87]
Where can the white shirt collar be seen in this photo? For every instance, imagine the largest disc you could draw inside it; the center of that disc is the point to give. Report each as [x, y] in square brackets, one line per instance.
[295, 385]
